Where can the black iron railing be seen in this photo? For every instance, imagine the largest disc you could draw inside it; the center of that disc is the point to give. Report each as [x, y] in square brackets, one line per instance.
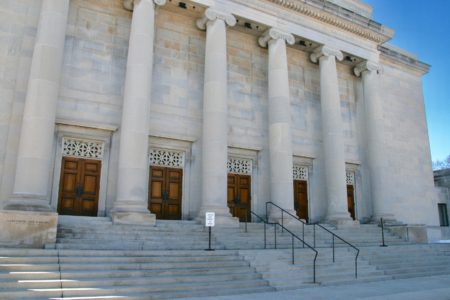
[293, 236]
[333, 235]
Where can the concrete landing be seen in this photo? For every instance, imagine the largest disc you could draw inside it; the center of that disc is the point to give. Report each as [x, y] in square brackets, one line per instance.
[433, 287]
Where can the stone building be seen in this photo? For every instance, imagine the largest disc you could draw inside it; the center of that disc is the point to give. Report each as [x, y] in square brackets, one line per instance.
[167, 108]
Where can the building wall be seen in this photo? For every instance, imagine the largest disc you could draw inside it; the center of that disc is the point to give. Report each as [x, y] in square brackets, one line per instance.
[91, 95]
[408, 177]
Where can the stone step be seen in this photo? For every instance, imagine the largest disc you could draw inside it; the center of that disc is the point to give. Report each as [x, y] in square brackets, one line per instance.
[112, 259]
[143, 292]
[154, 280]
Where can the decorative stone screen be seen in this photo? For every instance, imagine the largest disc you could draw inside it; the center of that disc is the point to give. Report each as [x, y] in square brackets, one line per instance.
[166, 158]
[300, 172]
[350, 178]
[239, 166]
[82, 148]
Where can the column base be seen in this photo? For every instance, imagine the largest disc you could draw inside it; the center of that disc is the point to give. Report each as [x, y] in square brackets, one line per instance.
[275, 217]
[23, 202]
[132, 213]
[341, 220]
[27, 229]
[223, 216]
[387, 219]
[133, 218]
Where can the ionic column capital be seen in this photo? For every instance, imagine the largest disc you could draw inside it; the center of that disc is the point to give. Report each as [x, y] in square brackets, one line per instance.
[129, 4]
[275, 34]
[325, 51]
[212, 14]
[368, 66]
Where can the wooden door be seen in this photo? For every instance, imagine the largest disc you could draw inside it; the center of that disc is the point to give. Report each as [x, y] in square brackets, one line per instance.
[239, 196]
[79, 186]
[351, 201]
[301, 199]
[165, 189]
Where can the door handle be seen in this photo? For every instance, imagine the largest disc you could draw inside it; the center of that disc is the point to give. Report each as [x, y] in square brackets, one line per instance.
[78, 190]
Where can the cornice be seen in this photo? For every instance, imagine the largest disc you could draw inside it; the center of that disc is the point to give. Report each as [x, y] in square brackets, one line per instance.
[403, 59]
[337, 16]
[212, 14]
[325, 51]
[275, 34]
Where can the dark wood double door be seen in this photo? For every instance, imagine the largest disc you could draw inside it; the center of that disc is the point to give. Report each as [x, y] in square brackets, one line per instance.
[165, 187]
[239, 196]
[351, 200]
[79, 186]
[301, 199]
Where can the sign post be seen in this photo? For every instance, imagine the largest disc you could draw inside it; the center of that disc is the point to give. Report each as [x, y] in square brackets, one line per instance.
[210, 218]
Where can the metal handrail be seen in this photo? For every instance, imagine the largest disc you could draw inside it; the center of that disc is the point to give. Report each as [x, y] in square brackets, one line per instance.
[314, 232]
[293, 235]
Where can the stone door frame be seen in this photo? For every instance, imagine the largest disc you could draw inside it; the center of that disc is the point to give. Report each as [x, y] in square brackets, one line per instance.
[178, 146]
[85, 134]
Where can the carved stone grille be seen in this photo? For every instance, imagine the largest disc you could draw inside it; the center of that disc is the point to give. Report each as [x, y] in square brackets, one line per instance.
[300, 172]
[166, 158]
[82, 148]
[350, 177]
[239, 166]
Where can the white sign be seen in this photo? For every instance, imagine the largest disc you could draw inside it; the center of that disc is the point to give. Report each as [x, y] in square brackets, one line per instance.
[210, 218]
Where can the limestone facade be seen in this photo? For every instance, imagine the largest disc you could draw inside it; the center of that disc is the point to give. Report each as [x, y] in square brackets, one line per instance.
[321, 92]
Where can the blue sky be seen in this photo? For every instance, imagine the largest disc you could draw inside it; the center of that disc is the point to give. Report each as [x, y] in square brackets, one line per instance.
[423, 28]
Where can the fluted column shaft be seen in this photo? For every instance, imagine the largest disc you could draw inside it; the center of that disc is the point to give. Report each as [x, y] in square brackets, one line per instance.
[373, 112]
[215, 118]
[34, 157]
[280, 137]
[132, 198]
[332, 134]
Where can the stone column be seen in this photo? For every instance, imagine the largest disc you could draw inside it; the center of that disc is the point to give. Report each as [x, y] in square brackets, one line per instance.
[35, 155]
[132, 183]
[373, 114]
[215, 119]
[333, 141]
[280, 137]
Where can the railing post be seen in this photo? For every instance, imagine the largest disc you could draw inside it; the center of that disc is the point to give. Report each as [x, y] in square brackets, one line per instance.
[267, 213]
[282, 221]
[356, 265]
[275, 231]
[265, 242]
[382, 233]
[314, 234]
[303, 234]
[333, 247]
[246, 220]
[314, 268]
[293, 262]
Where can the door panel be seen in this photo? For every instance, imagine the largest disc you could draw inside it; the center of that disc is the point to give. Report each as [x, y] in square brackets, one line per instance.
[79, 187]
[239, 196]
[301, 199]
[351, 201]
[165, 192]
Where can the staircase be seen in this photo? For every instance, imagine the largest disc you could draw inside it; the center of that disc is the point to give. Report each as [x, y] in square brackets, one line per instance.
[57, 274]
[100, 234]
[94, 259]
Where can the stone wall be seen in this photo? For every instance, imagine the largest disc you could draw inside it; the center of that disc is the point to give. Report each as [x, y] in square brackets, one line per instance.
[408, 177]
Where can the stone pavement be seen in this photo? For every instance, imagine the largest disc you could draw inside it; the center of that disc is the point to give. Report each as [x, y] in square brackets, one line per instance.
[423, 288]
